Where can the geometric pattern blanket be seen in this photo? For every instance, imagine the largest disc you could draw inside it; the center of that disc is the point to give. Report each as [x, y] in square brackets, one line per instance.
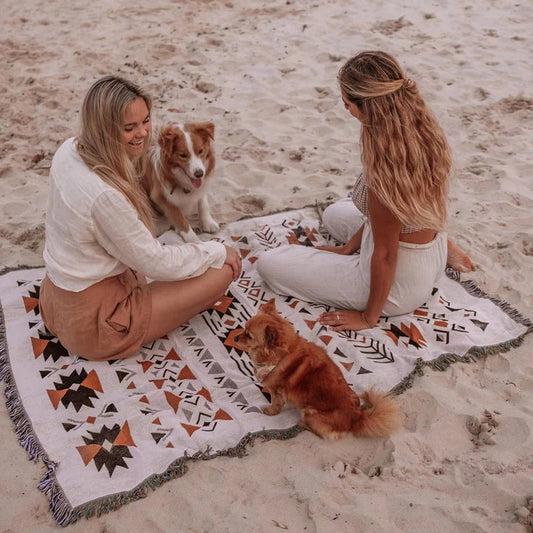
[110, 431]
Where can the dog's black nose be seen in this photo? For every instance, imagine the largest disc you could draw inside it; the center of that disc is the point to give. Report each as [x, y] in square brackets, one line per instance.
[199, 173]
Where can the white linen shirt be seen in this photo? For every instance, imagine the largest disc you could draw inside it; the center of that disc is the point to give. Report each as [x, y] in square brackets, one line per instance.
[93, 232]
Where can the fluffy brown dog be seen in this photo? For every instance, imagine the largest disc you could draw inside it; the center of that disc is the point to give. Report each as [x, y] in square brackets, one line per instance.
[181, 163]
[301, 372]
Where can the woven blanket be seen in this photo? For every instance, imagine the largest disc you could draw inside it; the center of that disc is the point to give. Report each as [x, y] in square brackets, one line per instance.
[109, 431]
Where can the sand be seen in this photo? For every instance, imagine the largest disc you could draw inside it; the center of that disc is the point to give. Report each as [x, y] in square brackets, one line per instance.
[265, 74]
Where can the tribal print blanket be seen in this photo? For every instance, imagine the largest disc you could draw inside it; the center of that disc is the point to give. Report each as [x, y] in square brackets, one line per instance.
[109, 431]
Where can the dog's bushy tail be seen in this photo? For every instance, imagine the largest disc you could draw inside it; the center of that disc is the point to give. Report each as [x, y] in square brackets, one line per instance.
[380, 417]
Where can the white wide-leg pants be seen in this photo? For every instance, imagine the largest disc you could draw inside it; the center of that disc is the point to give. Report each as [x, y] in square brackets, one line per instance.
[343, 281]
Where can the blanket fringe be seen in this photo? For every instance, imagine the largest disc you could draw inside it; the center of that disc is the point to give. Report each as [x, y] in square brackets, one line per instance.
[442, 362]
[471, 287]
[475, 353]
[65, 515]
[15, 409]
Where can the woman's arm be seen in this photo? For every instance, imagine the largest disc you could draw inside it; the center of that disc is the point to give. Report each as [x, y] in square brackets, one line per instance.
[349, 248]
[120, 232]
[386, 234]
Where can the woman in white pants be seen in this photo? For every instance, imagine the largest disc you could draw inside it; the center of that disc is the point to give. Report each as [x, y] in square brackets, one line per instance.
[395, 246]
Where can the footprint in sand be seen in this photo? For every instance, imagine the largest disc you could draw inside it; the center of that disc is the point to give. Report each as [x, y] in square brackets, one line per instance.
[248, 204]
[389, 27]
[482, 430]
[527, 243]
[514, 104]
[206, 87]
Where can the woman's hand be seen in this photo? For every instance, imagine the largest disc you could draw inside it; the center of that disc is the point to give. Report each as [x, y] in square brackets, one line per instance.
[342, 320]
[352, 246]
[233, 259]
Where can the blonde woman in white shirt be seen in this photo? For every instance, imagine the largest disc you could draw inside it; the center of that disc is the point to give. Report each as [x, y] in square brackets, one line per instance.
[100, 246]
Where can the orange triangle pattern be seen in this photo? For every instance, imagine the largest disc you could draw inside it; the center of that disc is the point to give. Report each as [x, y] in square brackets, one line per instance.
[124, 437]
[30, 303]
[170, 445]
[186, 373]
[156, 421]
[56, 396]
[223, 304]
[310, 323]
[173, 400]
[230, 340]
[392, 336]
[347, 366]
[92, 381]
[146, 365]
[205, 393]
[144, 399]
[190, 429]
[326, 339]
[414, 333]
[158, 382]
[38, 346]
[88, 452]
[131, 386]
[172, 356]
[222, 415]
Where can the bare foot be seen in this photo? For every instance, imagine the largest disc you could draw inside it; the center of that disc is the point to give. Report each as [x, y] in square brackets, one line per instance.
[457, 259]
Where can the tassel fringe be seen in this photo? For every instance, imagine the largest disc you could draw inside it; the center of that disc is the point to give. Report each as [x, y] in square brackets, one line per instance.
[475, 353]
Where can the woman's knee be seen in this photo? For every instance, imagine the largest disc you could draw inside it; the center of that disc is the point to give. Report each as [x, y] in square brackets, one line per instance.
[267, 264]
[226, 275]
[342, 219]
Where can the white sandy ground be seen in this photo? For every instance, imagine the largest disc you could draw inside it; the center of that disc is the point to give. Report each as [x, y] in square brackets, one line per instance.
[265, 73]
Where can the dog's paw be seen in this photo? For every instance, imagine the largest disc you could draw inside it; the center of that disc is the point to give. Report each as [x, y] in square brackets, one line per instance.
[270, 410]
[210, 225]
[190, 236]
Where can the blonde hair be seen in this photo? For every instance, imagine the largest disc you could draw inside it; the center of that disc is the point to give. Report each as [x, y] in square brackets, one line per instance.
[405, 155]
[100, 140]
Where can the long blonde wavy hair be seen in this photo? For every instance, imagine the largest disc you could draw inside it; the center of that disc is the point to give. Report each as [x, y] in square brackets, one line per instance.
[406, 158]
[100, 142]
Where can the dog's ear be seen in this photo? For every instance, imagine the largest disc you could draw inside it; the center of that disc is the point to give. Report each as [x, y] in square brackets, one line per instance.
[271, 337]
[166, 139]
[269, 307]
[206, 129]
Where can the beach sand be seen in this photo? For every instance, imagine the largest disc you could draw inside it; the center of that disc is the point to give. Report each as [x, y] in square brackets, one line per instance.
[265, 74]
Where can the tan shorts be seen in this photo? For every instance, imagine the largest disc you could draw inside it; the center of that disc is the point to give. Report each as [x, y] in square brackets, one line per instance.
[108, 320]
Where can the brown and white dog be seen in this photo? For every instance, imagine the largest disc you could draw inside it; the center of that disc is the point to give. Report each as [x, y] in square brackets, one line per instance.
[295, 370]
[181, 163]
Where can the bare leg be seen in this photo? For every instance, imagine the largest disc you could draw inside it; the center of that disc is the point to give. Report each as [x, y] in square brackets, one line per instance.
[175, 302]
[457, 259]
